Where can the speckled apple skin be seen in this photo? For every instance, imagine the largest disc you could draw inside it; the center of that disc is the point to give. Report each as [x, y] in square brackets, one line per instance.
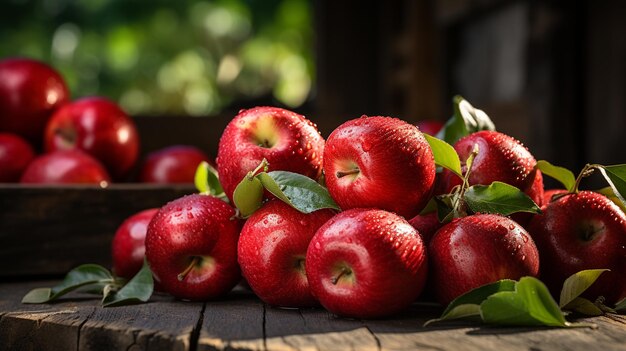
[387, 257]
[479, 249]
[397, 168]
[65, 167]
[128, 248]
[271, 242]
[427, 225]
[299, 147]
[559, 234]
[194, 225]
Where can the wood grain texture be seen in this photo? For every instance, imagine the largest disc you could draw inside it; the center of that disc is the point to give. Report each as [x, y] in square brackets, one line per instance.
[240, 321]
[50, 230]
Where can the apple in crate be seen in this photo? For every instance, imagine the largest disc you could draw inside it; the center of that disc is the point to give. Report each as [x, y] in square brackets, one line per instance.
[98, 127]
[128, 249]
[476, 250]
[30, 91]
[379, 162]
[585, 230]
[173, 164]
[287, 140]
[272, 251]
[191, 247]
[15, 155]
[66, 167]
[366, 263]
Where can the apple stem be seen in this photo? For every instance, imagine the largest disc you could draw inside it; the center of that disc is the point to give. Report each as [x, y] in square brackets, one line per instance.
[341, 174]
[194, 261]
[343, 272]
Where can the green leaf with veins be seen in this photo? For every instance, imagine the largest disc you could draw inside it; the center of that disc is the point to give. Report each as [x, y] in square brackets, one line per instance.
[499, 198]
[576, 284]
[445, 155]
[563, 175]
[465, 120]
[301, 192]
[78, 277]
[616, 177]
[138, 289]
[529, 305]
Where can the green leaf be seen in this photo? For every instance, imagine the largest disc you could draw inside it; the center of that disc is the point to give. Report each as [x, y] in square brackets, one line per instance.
[563, 175]
[78, 277]
[248, 195]
[584, 306]
[301, 192]
[445, 207]
[458, 312]
[465, 120]
[206, 180]
[445, 155]
[620, 306]
[616, 177]
[608, 192]
[576, 284]
[499, 198]
[38, 295]
[138, 289]
[529, 305]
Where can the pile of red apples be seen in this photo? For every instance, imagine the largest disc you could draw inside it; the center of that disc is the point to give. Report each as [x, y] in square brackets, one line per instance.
[381, 248]
[45, 138]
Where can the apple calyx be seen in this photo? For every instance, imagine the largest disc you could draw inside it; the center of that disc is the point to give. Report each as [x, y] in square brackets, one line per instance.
[67, 136]
[299, 265]
[195, 261]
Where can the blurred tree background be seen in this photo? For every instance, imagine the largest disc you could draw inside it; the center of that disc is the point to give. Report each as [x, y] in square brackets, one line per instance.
[164, 57]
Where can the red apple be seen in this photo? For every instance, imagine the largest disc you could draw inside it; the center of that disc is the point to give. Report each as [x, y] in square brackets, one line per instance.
[173, 164]
[500, 158]
[427, 225]
[128, 248]
[549, 194]
[30, 91]
[429, 126]
[476, 250]
[287, 140]
[191, 246]
[65, 167]
[100, 128]
[272, 251]
[366, 263]
[581, 231]
[15, 155]
[379, 162]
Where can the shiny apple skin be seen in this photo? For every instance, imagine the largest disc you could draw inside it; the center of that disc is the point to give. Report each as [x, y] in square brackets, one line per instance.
[65, 167]
[171, 165]
[30, 91]
[128, 249]
[194, 226]
[100, 128]
[477, 250]
[272, 251]
[296, 145]
[427, 225]
[563, 233]
[395, 163]
[383, 252]
[429, 126]
[15, 155]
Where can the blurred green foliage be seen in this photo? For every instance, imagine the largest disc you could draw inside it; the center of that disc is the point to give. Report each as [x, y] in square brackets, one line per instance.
[164, 57]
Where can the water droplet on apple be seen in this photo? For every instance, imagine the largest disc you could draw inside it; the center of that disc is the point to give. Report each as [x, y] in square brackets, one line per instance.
[318, 246]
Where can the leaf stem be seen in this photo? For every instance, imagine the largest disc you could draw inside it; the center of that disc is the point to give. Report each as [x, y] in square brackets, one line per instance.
[586, 172]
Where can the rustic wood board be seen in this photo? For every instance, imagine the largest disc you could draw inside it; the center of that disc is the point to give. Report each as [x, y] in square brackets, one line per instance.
[50, 230]
[242, 322]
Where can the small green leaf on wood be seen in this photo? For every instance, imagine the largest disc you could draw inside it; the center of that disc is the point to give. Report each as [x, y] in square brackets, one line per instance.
[616, 177]
[301, 192]
[248, 195]
[620, 306]
[499, 198]
[576, 284]
[563, 175]
[445, 155]
[468, 304]
[529, 305]
[79, 277]
[584, 306]
[138, 289]
[206, 180]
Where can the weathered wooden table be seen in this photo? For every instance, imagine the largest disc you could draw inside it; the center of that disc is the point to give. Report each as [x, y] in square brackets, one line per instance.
[242, 322]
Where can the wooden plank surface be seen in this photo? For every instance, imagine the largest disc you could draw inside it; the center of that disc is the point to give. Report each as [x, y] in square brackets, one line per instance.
[242, 322]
